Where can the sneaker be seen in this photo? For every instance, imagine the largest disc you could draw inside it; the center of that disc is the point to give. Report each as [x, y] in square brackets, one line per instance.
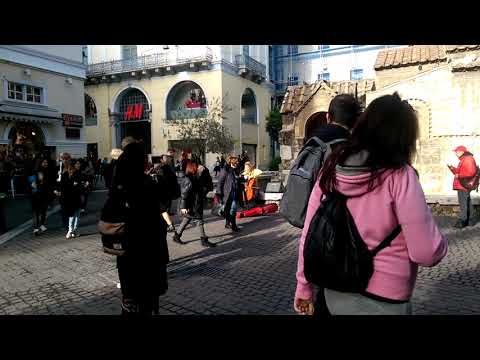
[207, 243]
[43, 228]
[76, 233]
[36, 232]
[69, 235]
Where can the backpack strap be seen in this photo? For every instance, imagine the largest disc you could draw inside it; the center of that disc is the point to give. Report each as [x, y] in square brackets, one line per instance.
[388, 240]
[336, 141]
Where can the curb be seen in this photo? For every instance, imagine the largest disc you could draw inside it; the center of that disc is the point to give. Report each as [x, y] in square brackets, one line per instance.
[9, 235]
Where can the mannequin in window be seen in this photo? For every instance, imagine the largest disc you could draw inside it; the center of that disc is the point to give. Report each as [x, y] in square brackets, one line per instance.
[192, 103]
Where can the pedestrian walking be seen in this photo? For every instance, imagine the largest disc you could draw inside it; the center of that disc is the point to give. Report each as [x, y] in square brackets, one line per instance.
[228, 192]
[466, 180]
[217, 168]
[142, 269]
[371, 175]
[84, 174]
[63, 165]
[40, 195]
[71, 197]
[165, 176]
[194, 185]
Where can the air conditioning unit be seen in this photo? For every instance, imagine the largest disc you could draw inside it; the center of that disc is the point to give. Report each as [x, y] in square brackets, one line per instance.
[69, 81]
[27, 72]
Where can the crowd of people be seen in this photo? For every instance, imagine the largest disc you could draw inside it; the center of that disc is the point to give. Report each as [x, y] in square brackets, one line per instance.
[365, 209]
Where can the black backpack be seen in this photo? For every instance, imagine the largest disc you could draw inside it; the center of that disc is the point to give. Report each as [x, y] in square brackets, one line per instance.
[335, 256]
[302, 178]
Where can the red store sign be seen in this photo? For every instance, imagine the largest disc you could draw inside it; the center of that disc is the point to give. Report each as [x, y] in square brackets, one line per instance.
[134, 112]
[70, 120]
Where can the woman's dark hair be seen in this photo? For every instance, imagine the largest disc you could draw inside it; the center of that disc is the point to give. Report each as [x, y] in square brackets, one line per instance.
[130, 165]
[344, 109]
[192, 168]
[387, 130]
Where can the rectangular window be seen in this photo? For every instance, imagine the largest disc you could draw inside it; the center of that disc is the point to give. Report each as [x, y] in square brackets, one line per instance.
[129, 51]
[292, 49]
[323, 47]
[24, 92]
[293, 80]
[72, 133]
[85, 54]
[324, 76]
[246, 50]
[356, 74]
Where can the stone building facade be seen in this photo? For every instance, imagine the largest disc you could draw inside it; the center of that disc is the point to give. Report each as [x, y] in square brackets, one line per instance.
[441, 82]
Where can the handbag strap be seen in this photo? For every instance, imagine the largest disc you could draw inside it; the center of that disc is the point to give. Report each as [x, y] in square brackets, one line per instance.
[388, 240]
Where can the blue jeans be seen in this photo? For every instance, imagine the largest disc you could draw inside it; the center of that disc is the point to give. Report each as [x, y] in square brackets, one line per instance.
[73, 221]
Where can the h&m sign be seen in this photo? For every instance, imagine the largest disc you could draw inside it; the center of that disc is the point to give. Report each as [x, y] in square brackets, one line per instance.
[70, 120]
[134, 112]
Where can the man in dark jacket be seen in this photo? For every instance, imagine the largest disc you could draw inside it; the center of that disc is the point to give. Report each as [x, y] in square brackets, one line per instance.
[464, 182]
[342, 115]
[228, 191]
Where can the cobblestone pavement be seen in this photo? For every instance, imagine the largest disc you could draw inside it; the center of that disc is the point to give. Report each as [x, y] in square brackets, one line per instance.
[252, 272]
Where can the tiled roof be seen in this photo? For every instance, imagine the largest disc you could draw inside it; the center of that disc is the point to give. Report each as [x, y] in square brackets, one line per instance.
[297, 97]
[469, 63]
[411, 55]
[460, 48]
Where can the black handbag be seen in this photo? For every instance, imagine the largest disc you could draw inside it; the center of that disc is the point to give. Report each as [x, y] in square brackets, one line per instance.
[111, 225]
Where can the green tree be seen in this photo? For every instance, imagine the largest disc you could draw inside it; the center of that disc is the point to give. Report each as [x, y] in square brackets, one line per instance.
[274, 123]
[273, 127]
[203, 130]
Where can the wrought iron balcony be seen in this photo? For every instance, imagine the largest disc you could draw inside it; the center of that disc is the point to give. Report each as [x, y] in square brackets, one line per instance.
[247, 65]
[187, 114]
[147, 62]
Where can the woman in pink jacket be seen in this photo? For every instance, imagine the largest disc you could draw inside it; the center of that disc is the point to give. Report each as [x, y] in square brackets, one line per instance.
[373, 168]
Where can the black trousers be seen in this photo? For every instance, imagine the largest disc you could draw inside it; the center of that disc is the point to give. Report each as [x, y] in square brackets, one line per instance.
[321, 308]
[466, 206]
[136, 298]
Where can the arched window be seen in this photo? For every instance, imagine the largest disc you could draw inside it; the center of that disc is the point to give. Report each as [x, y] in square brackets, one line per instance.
[249, 107]
[186, 100]
[132, 111]
[90, 111]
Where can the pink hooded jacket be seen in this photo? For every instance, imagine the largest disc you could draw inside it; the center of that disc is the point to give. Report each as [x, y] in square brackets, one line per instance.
[397, 198]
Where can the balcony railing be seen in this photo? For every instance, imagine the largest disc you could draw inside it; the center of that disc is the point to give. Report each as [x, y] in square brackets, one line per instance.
[246, 62]
[149, 62]
[187, 114]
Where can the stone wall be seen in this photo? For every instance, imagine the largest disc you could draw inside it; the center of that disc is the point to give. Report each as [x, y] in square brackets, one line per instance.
[448, 108]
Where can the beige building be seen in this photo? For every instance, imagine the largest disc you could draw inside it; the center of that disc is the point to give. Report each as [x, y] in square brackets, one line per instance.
[138, 90]
[442, 83]
[41, 96]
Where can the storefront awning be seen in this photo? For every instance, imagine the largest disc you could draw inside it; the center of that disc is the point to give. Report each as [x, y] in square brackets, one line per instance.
[25, 113]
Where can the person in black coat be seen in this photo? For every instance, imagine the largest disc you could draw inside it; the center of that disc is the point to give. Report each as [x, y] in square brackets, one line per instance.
[228, 191]
[71, 189]
[195, 183]
[41, 194]
[142, 270]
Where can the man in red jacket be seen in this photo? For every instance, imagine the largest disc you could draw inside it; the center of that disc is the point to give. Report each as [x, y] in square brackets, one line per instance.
[464, 182]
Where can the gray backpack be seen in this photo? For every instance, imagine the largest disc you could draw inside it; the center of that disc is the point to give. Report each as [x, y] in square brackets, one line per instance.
[302, 179]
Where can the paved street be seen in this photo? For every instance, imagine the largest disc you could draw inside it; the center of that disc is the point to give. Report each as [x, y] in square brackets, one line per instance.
[250, 273]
